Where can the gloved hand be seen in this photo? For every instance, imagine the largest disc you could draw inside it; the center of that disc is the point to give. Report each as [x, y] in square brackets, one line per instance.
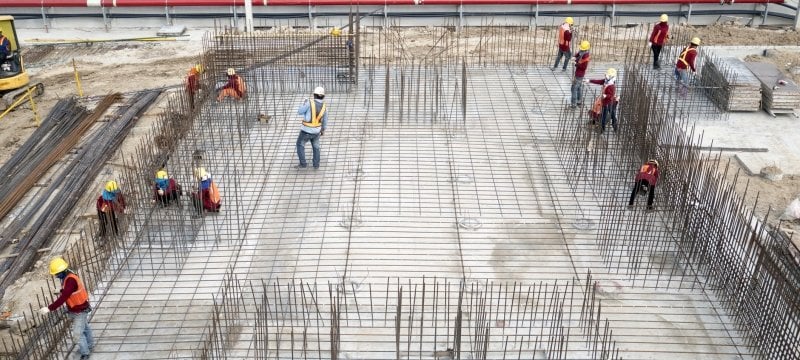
[44, 311]
[585, 81]
[649, 44]
[321, 132]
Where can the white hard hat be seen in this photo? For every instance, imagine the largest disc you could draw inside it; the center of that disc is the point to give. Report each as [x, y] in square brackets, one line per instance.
[319, 91]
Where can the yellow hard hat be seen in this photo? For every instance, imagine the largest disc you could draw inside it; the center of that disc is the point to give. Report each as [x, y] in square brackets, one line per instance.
[111, 186]
[199, 68]
[696, 41]
[584, 45]
[200, 173]
[161, 175]
[231, 71]
[611, 72]
[58, 265]
[569, 20]
[664, 18]
[336, 32]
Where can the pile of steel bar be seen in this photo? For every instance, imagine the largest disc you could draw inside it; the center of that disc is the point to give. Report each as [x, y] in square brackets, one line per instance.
[48, 212]
[779, 92]
[740, 90]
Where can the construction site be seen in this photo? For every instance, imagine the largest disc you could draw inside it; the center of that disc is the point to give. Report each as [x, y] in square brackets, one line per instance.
[461, 209]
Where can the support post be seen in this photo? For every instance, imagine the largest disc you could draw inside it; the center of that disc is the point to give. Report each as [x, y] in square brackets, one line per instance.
[689, 15]
[105, 18]
[248, 15]
[311, 24]
[44, 21]
[166, 14]
[797, 18]
[460, 16]
[385, 17]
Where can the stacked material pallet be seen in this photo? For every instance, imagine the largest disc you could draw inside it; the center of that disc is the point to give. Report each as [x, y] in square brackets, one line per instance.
[780, 93]
[733, 86]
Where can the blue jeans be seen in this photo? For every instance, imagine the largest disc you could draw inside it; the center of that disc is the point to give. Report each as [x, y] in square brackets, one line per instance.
[682, 76]
[577, 91]
[566, 54]
[81, 332]
[301, 148]
[609, 111]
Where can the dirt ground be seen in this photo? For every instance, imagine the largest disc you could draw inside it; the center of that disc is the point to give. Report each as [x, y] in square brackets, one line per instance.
[130, 66]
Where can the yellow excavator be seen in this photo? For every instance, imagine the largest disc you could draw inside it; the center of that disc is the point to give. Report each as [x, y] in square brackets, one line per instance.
[14, 79]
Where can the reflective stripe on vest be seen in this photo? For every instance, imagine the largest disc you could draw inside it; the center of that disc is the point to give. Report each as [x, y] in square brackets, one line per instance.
[685, 52]
[648, 169]
[80, 295]
[316, 119]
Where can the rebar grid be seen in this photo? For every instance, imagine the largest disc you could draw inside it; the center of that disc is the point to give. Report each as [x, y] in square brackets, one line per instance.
[463, 183]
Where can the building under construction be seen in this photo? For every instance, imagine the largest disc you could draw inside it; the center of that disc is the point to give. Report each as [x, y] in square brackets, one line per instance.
[462, 210]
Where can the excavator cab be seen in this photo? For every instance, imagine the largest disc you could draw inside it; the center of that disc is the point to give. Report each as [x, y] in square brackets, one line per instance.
[14, 78]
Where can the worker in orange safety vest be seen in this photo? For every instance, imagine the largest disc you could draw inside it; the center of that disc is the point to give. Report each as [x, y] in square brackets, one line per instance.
[234, 88]
[684, 64]
[75, 296]
[646, 180]
[564, 42]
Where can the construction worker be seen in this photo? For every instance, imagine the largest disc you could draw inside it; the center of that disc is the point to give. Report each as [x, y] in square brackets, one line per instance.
[581, 61]
[166, 189]
[109, 203]
[684, 64]
[234, 88]
[5, 54]
[193, 83]
[605, 106]
[75, 296]
[315, 120]
[564, 39]
[645, 182]
[658, 38]
[207, 197]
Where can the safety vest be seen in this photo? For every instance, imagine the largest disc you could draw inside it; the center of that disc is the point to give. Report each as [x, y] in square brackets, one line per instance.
[316, 119]
[561, 38]
[239, 87]
[80, 295]
[685, 52]
[648, 169]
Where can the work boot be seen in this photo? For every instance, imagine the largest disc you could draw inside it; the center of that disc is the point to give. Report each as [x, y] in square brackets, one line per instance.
[616, 129]
[298, 167]
[650, 208]
[84, 357]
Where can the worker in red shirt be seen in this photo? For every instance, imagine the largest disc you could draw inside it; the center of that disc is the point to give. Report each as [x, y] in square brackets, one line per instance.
[605, 106]
[109, 203]
[193, 82]
[564, 40]
[684, 64]
[646, 181]
[581, 61]
[75, 296]
[658, 38]
[166, 189]
[234, 88]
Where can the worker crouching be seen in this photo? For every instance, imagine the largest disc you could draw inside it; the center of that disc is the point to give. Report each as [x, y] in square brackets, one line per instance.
[110, 203]
[75, 296]
[646, 181]
[234, 88]
[207, 197]
[166, 190]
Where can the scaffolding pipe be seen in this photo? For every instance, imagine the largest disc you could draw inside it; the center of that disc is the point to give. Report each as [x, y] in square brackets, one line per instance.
[181, 3]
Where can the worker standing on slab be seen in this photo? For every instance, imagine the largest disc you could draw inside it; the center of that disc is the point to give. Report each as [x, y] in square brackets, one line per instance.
[75, 296]
[109, 203]
[207, 197]
[315, 121]
[166, 189]
[658, 38]
[605, 106]
[193, 83]
[564, 41]
[645, 182]
[234, 88]
[684, 64]
[581, 61]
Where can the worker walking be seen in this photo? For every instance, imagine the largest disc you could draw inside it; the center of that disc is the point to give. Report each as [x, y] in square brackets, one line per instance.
[234, 88]
[207, 196]
[75, 296]
[658, 38]
[581, 61]
[315, 121]
[605, 106]
[684, 64]
[564, 40]
[166, 189]
[193, 83]
[109, 204]
[645, 182]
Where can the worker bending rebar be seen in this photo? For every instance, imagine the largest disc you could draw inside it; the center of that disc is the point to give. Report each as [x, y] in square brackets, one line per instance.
[110, 203]
[207, 197]
[645, 182]
[234, 88]
[166, 189]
